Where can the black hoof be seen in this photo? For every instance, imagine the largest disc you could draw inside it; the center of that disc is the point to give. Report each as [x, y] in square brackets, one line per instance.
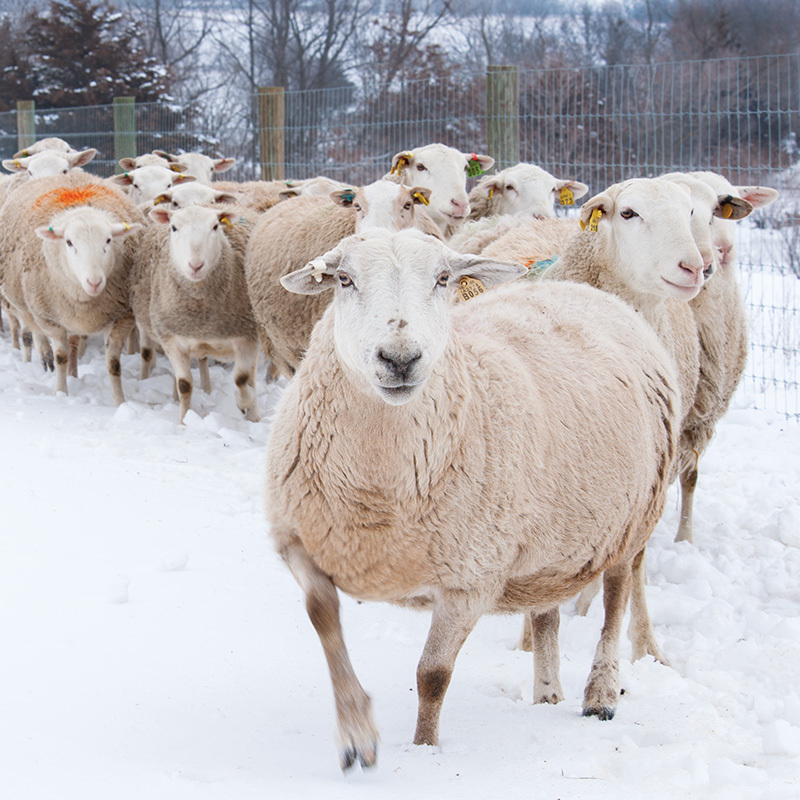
[604, 713]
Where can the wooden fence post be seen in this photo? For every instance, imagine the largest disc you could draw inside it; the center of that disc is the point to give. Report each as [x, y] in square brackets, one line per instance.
[502, 111]
[271, 132]
[26, 123]
[124, 129]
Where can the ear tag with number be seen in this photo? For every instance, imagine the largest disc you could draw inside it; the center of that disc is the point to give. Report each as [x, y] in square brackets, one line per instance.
[470, 287]
[566, 198]
[727, 211]
[593, 221]
[474, 167]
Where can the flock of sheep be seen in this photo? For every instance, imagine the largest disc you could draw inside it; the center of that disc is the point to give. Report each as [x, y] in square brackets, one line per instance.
[486, 404]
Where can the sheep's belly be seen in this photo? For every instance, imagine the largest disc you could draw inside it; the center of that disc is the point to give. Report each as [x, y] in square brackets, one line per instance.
[202, 348]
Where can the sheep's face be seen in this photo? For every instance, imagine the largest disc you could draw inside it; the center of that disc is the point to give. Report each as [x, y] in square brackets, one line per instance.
[723, 229]
[146, 183]
[49, 162]
[645, 231]
[392, 304]
[195, 240]
[527, 190]
[87, 240]
[383, 204]
[192, 194]
[443, 170]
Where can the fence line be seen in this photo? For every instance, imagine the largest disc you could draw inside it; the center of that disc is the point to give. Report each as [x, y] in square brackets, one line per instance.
[740, 117]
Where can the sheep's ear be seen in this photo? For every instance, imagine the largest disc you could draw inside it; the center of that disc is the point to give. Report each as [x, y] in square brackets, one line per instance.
[492, 184]
[79, 159]
[164, 154]
[123, 180]
[577, 188]
[223, 164]
[226, 218]
[49, 232]
[177, 166]
[343, 197]
[127, 163]
[160, 215]
[488, 271]
[421, 195]
[120, 230]
[183, 179]
[164, 197]
[316, 276]
[730, 207]
[758, 196]
[225, 197]
[477, 163]
[602, 202]
[15, 164]
[287, 194]
[401, 161]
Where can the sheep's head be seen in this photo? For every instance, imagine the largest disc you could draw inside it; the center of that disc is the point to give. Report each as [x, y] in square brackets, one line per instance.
[199, 165]
[196, 238]
[644, 227]
[527, 190]
[48, 143]
[384, 204]
[193, 193]
[49, 162]
[86, 238]
[392, 304]
[146, 183]
[723, 231]
[443, 170]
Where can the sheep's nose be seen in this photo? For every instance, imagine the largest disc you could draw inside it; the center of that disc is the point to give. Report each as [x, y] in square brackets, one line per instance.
[695, 270]
[94, 286]
[196, 266]
[460, 208]
[400, 364]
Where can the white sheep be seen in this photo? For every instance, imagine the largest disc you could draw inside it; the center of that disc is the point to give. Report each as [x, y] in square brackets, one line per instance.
[49, 143]
[443, 170]
[199, 165]
[188, 294]
[130, 163]
[721, 320]
[49, 162]
[195, 194]
[489, 456]
[292, 233]
[146, 183]
[65, 252]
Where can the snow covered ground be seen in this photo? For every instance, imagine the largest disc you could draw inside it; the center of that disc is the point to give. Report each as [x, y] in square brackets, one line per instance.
[152, 645]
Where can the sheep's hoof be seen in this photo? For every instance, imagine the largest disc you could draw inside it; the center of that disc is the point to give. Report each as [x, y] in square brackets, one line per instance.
[349, 755]
[604, 713]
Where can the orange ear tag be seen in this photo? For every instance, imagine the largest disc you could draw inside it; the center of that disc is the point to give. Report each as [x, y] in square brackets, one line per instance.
[727, 210]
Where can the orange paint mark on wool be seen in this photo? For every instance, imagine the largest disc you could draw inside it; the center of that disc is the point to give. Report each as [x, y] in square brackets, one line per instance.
[64, 198]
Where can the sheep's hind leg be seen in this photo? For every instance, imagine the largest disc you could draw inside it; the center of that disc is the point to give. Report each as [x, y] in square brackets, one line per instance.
[602, 689]
[358, 736]
[454, 617]
[244, 376]
[640, 629]
[546, 659]
[688, 482]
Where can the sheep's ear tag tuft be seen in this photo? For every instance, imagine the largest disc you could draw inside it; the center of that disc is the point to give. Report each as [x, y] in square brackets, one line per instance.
[566, 198]
[474, 167]
[469, 287]
[421, 198]
[227, 221]
[727, 210]
[593, 221]
[175, 168]
[348, 197]
[402, 162]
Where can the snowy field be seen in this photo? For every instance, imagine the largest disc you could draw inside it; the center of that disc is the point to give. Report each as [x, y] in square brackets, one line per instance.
[154, 647]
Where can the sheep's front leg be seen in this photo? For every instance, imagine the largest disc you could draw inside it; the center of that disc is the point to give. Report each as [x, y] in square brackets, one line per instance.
[602, 689]
[115, 337]
[640, 628]
[147, 350]
[546, 659]
[357, 735]
[244, 376]
[182, 369]
[60, 351]
[205, 374]
[455, 614]
[688, 481]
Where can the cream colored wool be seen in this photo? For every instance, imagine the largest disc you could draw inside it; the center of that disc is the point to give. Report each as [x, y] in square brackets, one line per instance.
[45, 295]
[535, 457]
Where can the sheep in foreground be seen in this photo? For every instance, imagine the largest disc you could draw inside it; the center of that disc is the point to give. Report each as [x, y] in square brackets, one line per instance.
[298, 230]
[65, 251]
[188, 294]
[443, 170]
[721, 321]
[489, 456]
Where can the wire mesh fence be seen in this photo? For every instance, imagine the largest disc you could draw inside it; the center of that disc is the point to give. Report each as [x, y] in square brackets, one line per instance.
[600, 125]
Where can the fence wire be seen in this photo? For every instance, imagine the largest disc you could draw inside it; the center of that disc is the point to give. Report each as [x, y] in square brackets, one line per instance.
[600, 125]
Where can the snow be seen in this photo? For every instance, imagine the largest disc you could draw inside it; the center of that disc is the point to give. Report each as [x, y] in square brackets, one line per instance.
[154, 646]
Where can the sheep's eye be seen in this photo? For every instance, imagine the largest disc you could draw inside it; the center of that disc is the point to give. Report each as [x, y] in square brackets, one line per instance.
[69, 243]
[407, 206]
[173, 229]
[357, 206]
[420, 168]
[345, 280]
[216, 227]
[628, 213]
[108, 241]
[443, 279]
[510, 188]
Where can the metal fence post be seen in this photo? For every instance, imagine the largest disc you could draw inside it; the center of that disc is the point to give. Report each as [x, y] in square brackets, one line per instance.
[124, 128]
[271, 131]
[502, 110]
[26, 123]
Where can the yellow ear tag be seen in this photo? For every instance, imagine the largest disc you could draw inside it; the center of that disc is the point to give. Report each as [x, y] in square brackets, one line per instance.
[19, 165]
[422, 199]
[470, 287]
[566, 198]
[24, 153]
[226, 221]
[402, 162]
[594, 220]
[491, 193]
[727, 210]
